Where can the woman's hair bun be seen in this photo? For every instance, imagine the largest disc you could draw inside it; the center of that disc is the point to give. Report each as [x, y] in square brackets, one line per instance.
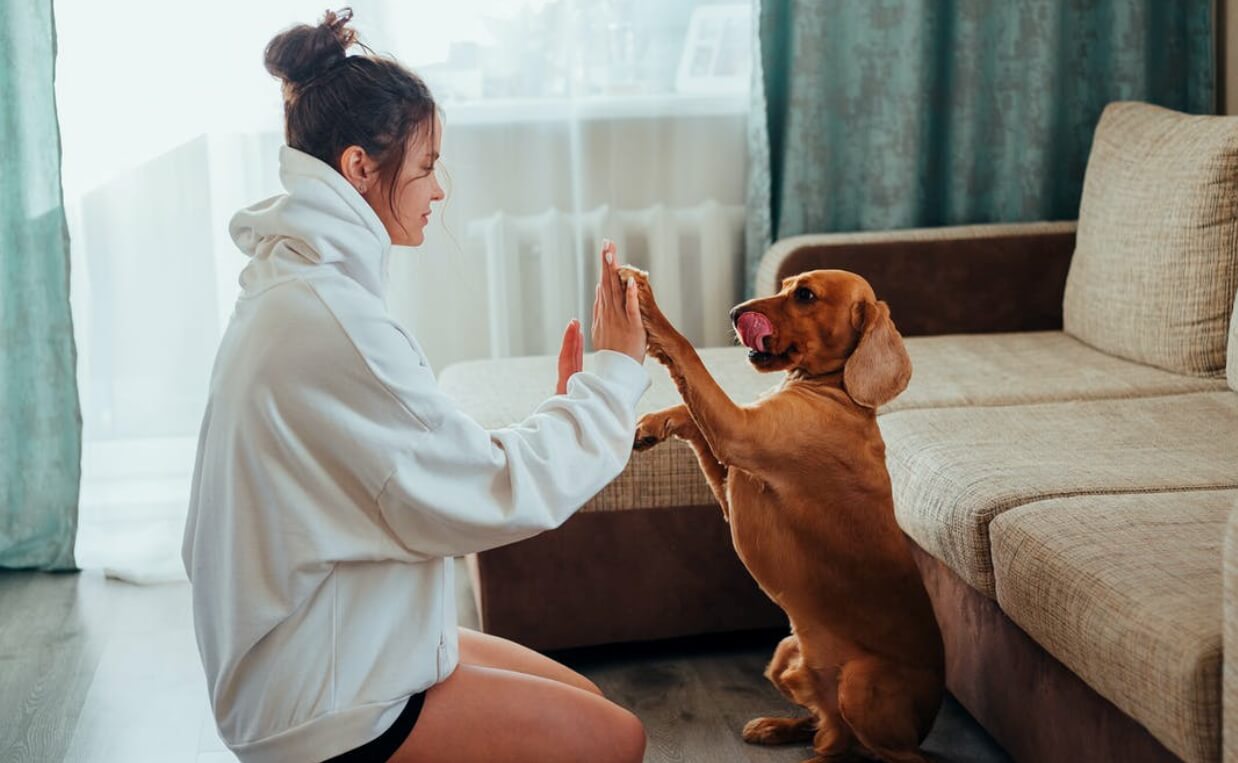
[303, 52]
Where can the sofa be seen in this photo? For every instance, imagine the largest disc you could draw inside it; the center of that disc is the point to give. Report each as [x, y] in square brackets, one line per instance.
[1064, 462]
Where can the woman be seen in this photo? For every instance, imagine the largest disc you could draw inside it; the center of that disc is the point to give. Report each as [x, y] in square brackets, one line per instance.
[334, 482]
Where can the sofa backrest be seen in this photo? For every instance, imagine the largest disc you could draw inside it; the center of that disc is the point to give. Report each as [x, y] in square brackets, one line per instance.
[1156, 259]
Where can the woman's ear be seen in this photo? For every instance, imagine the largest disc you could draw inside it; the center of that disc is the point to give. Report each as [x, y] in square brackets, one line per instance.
[879, 367]
[358, 169]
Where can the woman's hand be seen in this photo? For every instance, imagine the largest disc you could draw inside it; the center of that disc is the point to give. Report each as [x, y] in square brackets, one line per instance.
[571, 355]
[616, 311]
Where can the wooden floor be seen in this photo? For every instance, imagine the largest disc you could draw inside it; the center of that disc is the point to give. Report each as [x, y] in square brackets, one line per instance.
[102, 671]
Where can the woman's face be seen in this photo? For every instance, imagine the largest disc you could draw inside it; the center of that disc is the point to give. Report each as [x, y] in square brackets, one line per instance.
[416, 186]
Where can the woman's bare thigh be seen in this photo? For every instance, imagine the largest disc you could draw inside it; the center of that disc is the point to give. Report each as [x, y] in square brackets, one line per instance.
[494, 652]
[489, 714]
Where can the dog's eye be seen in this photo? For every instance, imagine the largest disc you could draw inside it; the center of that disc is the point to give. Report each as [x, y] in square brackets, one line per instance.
[804, 294]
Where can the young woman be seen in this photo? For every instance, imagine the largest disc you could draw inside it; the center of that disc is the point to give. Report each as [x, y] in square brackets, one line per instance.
[334, 482]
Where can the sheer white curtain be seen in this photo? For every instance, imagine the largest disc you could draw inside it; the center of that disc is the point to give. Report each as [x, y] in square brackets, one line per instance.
[565, 121]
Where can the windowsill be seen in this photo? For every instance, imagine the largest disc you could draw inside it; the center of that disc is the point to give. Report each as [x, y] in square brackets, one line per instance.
[599, 108]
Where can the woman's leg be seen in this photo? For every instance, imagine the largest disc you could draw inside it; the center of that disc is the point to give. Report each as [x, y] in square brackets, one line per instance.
[488, 714]
[494, 652]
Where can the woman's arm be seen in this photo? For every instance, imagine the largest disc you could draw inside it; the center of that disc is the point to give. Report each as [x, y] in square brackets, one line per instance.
[460, 488]
[439, 483]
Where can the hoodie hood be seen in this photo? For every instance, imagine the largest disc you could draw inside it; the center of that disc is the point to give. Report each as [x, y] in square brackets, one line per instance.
[321, 221]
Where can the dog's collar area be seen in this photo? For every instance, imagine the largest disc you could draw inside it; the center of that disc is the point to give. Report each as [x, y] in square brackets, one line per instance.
[830, 378]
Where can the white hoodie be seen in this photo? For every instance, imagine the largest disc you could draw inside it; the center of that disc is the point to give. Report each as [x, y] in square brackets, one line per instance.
[334, 482]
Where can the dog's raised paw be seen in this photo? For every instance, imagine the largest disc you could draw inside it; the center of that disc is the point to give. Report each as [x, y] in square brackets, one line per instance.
[645, 291]
[628, 271]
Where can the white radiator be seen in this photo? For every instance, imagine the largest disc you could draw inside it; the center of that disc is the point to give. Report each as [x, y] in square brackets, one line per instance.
[541, 269]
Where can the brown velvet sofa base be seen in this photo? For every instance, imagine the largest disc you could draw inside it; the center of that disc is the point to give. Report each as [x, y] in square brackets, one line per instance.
[1029, 702]
[615, 576]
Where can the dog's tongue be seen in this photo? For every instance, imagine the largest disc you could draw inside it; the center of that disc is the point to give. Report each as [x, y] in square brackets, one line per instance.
[754, 329]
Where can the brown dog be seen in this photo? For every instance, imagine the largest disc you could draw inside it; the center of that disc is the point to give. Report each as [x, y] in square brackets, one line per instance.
[801, 478]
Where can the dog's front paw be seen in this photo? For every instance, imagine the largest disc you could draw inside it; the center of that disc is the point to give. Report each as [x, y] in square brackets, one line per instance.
[650, 430]
[659, 426]
[659, 333]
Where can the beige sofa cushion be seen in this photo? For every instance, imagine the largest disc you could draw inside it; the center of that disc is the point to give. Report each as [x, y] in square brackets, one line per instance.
[982, 369]
[1125, 590]
[1027, 367]
[955, 469]
[1156, 259]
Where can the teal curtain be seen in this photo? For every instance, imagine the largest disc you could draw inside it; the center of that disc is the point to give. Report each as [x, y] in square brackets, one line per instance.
[40, 419]
[883, 114]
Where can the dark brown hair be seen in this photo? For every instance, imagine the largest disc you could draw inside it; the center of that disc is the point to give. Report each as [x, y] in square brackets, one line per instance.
[333, 100]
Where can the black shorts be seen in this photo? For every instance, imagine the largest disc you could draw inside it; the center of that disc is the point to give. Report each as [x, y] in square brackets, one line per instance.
[381, 749]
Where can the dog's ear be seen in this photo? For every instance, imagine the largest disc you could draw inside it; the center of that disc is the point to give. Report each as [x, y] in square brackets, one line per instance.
[879, 367]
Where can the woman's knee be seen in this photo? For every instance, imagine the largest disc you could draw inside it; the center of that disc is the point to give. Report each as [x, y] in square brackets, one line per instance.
[624, 738]
[632, 736]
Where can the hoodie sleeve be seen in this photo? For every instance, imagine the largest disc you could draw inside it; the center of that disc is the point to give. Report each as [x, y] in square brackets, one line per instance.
[460, 488]
[455, 487]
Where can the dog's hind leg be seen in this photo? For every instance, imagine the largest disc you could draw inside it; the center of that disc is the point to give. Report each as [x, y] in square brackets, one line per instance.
[888, 707]
[772, 730]
[786, 656]
[811, 689]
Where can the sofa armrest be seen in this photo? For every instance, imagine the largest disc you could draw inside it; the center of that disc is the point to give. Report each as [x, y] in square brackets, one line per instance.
[958, 280]
[1229, 648]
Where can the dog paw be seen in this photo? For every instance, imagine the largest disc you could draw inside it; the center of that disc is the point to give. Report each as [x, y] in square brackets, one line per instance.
[641, 276]
[778, 730]
[759, 730]
[650, 430]
[658, 330]
[644, 291]
[644, 443]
